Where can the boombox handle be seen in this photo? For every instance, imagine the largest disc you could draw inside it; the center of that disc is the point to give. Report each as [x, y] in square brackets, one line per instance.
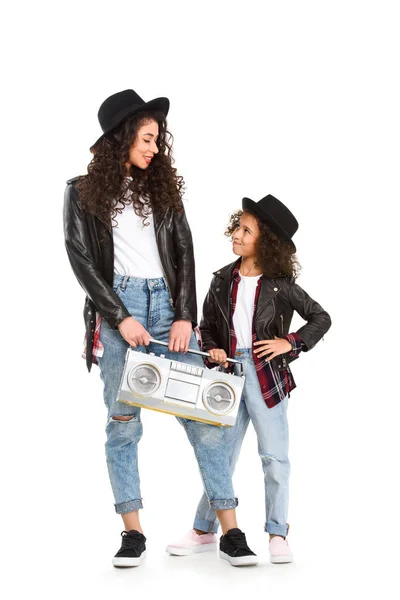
[237, 364]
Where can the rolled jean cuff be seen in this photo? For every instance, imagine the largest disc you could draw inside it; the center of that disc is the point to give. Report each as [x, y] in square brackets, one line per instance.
[208, 526]
[223, 504]
[127, 507]
[276, 529]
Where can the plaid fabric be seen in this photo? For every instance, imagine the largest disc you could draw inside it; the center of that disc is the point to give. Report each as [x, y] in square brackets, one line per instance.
[297, 343]
[98, 347]
[275, 385]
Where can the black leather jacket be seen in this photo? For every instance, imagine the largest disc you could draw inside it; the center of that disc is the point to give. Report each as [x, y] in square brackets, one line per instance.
[90, 249]
[278, 299]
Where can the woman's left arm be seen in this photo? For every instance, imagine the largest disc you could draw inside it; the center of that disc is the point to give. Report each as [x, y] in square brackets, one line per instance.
[185, 301]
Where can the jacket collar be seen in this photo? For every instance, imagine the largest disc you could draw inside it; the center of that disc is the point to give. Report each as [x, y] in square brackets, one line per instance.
[269, 288]
[226, 272]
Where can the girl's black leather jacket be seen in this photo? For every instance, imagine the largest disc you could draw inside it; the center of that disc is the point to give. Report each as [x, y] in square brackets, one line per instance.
[278, 299]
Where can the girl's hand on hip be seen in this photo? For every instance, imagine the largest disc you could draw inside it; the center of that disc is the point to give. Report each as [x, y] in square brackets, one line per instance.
[179, 336]
[217, 355]
[272, 347]
[134, 333]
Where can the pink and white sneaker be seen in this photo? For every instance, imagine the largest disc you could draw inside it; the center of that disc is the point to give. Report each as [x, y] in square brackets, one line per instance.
[193, 543]
[279, 551]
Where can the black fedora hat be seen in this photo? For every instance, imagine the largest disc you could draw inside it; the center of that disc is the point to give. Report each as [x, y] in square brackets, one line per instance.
[122, 105]
[274, 213]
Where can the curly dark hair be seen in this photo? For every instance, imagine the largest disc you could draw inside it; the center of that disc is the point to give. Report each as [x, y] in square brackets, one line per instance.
[159, 186]
[273, 254]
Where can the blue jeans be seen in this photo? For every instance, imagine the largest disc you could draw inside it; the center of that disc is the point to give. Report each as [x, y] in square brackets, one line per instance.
[148, 301]
[271, 427]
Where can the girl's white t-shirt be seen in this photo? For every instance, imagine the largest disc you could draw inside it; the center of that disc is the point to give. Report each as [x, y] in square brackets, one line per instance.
[244, 311]
[135, 246]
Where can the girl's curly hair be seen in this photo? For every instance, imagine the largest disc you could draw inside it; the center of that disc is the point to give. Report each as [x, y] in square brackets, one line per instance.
[158, 186]
[273, 255]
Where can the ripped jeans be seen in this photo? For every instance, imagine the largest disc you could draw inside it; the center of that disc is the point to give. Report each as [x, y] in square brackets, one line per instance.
[148, 301]
[271, 427]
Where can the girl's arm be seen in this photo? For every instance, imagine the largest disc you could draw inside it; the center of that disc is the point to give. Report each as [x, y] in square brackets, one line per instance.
[318, 320]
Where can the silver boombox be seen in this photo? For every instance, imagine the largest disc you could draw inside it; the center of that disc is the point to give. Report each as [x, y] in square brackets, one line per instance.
[180, 389]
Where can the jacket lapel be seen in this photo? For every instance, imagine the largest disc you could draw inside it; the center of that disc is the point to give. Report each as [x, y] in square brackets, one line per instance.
[158, 220]
[269, 289]
[222, 290]
[223, 296]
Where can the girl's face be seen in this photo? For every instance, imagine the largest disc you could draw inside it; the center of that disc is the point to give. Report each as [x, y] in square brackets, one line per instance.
[144, 147]
[245, 236]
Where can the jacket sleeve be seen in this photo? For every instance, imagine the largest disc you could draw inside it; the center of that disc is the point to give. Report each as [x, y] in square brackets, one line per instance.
[77, 243]
[318, 320]
[185, 301]
[208, 324]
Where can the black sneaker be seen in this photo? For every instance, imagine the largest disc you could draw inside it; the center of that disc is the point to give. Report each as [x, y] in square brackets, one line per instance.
[132, 550]
[233, 547]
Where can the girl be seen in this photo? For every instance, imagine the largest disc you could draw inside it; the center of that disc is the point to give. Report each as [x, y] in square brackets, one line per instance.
[131, 250]
[247, 315]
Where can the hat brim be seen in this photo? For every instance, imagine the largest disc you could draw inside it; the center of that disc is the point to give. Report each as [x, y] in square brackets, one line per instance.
[248, 204]
[158, 104]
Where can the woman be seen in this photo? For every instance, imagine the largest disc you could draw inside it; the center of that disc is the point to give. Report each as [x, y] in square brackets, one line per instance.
[247, 315]
[131, 250]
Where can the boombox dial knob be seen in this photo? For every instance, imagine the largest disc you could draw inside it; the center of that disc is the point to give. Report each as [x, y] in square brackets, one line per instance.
[144, 380]
[219, 398]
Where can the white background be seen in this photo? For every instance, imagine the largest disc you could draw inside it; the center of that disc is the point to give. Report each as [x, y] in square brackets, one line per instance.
[297, 99]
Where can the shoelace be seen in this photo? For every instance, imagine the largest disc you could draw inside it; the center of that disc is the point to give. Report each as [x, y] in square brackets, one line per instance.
[239, 541]
[130, 540]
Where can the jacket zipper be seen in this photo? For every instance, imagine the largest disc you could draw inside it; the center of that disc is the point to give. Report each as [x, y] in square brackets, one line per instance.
[283, 359]
[226, 320]
[270, 321]
[167, 286]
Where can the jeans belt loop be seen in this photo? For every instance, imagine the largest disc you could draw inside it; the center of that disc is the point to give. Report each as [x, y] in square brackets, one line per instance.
[124, 282]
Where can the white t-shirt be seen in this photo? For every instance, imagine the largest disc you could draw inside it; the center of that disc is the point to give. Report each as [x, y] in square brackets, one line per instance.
[244, 311]
[135, 247]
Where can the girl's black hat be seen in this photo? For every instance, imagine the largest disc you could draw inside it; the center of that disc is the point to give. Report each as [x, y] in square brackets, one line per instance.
[274, 213]
[122, 105]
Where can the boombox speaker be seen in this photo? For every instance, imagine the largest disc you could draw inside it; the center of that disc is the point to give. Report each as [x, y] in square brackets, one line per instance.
[180, 389]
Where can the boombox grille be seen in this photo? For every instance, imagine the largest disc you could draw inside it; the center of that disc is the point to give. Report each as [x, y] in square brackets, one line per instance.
[219, 398]
[144, 380]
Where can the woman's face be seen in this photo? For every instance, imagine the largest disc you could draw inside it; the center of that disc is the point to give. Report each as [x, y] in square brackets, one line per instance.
[144, 147]
[245, 236]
